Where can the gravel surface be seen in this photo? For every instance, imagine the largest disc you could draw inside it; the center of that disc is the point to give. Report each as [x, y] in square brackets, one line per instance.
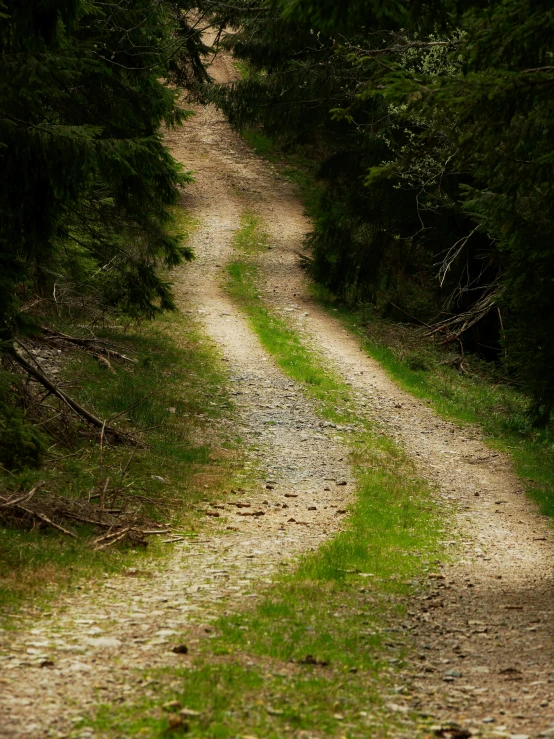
[482, 633]
[56, 669]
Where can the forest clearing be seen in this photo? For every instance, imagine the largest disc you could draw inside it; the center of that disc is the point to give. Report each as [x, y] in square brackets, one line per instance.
[283, 518]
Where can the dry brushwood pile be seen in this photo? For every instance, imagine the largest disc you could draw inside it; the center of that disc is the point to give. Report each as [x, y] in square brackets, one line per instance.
[25, 358]
[37, 508]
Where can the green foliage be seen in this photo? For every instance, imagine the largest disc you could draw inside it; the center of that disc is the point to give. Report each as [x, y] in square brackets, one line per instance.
[432, 127]
[86, 177]
[505, 108]
[21, 444]
[377, 243]
[87, 183]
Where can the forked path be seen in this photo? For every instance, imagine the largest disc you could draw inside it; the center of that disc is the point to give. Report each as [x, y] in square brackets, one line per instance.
[484, 632]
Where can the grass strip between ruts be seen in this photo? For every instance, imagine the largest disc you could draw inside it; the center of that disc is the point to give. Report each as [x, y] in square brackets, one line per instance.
[319, 651]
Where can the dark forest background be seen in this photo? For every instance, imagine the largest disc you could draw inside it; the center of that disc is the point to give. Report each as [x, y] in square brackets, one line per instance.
[429, 126]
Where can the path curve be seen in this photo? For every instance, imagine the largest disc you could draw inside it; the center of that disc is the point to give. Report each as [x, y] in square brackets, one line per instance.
[101, 638]
[488, 622]
[490, 619]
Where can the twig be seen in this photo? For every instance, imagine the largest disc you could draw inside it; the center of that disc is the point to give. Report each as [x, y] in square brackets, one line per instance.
[23, 499]
[103, 494]
[87, 343]
[406, 312]
[101, 460]
[48, 420]
[154, 533]
[452, 254]
[41, 516]
[502, 331]
[7, 470]
[110, 539]
[125, 469]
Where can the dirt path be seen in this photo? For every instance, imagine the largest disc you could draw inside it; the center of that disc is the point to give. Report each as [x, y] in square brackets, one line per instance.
[485, 630]
[483, 633]
[97, 639]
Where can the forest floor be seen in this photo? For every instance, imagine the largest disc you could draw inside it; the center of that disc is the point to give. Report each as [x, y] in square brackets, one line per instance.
[475, 632]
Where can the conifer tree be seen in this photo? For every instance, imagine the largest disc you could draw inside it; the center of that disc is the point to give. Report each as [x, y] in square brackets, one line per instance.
[86, 179]
[432, 125]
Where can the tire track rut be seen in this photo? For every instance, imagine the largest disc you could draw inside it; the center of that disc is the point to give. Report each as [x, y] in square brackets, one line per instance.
[102, 638]
[482, 633]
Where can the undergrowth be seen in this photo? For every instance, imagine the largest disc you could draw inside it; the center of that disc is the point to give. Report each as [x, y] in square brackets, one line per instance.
[175, 396]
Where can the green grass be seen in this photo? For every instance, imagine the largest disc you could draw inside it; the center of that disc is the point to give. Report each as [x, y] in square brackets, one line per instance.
[236, 700]
[188, 448]
[345, 605]
[250, 238]
[480, 396]
[263, 145]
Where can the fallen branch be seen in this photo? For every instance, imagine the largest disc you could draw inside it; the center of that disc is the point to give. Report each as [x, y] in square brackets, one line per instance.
[75, 407]
[111, 538]
[45, 519]
[455, 326]
[87, 343]
[133, 532]
[17, 504]
[51, 510]
[25, 498]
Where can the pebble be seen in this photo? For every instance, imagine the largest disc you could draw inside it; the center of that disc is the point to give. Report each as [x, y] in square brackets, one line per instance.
[453, 673]
[108, 642]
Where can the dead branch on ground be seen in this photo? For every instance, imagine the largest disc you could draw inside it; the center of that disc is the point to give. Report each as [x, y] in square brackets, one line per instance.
[454, 326]
[119, 436]
[93, 346]
[31, 509]
[16, 506]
